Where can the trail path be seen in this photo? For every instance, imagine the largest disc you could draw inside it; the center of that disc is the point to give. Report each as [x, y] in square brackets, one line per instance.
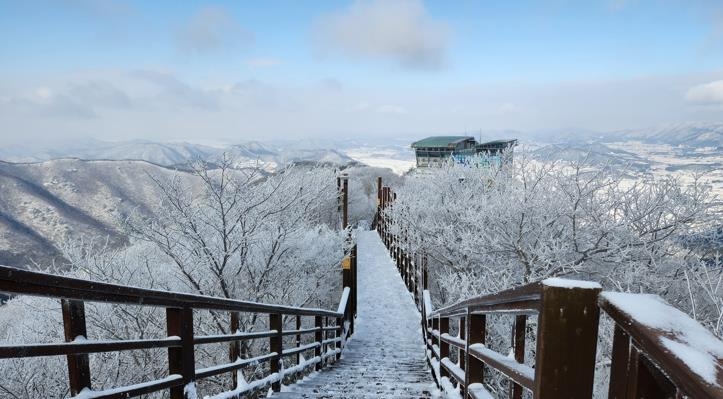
[385, 357]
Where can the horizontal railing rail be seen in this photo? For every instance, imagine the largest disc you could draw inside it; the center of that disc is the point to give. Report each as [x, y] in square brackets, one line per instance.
[330, 331]
[18, 281]
[658, 351]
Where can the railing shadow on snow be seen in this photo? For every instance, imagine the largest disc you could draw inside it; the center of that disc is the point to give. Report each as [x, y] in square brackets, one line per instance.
[658, 351]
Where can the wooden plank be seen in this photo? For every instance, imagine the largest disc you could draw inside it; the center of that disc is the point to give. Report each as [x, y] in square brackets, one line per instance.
[83, 347]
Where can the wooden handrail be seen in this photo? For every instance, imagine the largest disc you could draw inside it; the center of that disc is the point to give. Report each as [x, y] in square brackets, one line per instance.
[327, 345]
[25, 282]
[687, 359]
[519, 299]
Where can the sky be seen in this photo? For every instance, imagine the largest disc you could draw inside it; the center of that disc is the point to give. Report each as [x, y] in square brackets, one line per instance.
[230, 71]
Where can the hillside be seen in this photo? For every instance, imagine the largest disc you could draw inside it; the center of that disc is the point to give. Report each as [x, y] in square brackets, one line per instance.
[44, 204]
[176, 154]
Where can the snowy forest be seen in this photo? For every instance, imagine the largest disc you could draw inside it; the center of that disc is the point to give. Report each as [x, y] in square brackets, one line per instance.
[276, 238]
[483, 230]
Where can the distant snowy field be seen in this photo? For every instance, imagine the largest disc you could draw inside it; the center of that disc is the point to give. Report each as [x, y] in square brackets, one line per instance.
[396, 158]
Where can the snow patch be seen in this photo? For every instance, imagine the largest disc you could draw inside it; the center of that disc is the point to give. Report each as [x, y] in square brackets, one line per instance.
[566, 283]
[685, 338]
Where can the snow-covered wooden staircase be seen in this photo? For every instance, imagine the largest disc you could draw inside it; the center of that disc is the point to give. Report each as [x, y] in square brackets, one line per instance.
[385, 357]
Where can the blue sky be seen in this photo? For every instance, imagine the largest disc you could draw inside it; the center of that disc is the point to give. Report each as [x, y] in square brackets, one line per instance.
[232, 70]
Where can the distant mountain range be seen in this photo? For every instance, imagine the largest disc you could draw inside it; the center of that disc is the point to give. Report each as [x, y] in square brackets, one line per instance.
[174, 154]
[43, 204]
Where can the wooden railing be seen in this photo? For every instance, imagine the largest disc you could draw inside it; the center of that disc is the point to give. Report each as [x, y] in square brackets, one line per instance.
[658, 351]
[330, 330]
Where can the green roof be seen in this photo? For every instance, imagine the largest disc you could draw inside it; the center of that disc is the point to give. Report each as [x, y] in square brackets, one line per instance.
[499, 143]
[440, 141]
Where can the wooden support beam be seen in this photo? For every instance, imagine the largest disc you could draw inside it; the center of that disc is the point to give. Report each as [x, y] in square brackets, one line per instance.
[566, 342]
[179, 322]
[276, 345]
[74, 327]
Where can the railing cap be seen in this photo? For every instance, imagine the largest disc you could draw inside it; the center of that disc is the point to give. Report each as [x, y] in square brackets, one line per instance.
[675, 342]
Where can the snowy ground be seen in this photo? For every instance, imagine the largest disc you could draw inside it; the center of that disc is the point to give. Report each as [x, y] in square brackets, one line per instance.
[399, 160]
[385, 357]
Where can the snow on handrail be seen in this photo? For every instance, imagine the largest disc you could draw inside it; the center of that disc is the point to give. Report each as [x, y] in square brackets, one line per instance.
[344, 299]
[428, 308]
[686, 352]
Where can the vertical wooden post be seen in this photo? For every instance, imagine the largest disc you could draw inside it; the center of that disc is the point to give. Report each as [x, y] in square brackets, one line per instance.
[352, 314]
[566, 342]
[298, 338]
[74, 327]
[425, 272]
[379, 204]
[318, 337]
[234, 349]
[345, 200]
[276, 345]
[443, 346]
[518, 343]
[476, 334]
[179, 322]
[338, 334]
[461, 353]
[619, 365]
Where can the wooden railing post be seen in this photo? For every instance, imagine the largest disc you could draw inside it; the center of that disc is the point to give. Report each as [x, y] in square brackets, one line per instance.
[179, 322]
[276, 345]
[74, 327]
[461, 353]
[338, 334]
[476, 334]
[318, 337]
[298, 338]
[234, 349]
[443, 346]
[379, 205]
[566, 341]
[354, 282]
[518, 343]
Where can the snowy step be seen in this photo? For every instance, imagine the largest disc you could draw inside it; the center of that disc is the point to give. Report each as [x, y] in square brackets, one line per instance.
[385, 357]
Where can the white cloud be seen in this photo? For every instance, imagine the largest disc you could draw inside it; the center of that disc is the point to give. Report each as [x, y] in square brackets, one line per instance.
[160, 105]
[212, 29]
[706, 94]
[400, 30]
[176, 92]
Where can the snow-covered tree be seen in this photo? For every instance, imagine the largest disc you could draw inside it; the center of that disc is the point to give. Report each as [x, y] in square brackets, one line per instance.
[488, 229]
[239, 234]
